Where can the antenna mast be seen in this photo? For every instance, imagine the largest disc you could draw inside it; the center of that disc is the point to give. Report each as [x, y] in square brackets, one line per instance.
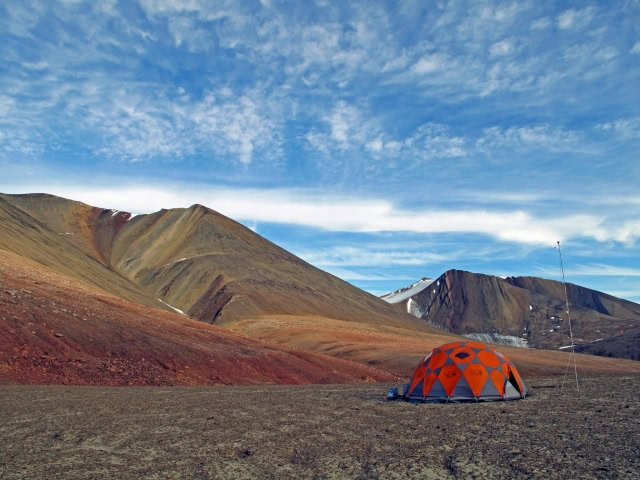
[573, 352]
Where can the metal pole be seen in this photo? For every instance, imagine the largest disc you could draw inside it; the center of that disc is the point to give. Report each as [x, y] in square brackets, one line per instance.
[566, 296]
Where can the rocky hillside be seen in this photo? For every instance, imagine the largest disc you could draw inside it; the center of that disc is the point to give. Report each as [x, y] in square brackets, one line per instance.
[523, 311]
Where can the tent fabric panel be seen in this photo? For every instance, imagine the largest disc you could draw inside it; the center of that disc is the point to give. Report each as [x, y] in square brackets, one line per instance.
[489, 358]
[437, 390]
[510, 391]
[449, 376]
[428, 383]
[417, 389]
[462, 390]
[417, 376]
[498, 380]
[426, 359]
[462, 355]
[489, 390]
[438, 360]
[475, 376]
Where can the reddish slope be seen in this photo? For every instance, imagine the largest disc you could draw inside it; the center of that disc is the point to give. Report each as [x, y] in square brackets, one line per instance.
[56, 330]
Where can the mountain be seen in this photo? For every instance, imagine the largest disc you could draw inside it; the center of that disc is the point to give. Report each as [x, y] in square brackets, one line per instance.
[195, 260]
[520, 310]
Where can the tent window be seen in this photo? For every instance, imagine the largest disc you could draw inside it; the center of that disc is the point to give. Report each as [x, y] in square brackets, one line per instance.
[462, 355]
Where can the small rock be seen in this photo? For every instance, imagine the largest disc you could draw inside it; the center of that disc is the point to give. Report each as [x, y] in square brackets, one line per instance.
[58, 335]
[246, 452]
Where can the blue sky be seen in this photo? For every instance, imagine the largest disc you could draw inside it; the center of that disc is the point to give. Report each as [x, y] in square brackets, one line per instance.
[381, 141]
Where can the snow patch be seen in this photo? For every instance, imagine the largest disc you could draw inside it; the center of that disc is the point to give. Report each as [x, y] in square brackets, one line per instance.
[65, 233]
[176, 261]
[174, 308]
[566, 346]
[414, 308]
[496, 338]
[402, 294]
[530, 307]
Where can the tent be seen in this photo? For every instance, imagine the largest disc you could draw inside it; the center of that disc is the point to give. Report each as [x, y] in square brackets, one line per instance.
[465, 371]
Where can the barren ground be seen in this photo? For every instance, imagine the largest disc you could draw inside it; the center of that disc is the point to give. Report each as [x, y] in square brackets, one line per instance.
[328, 431]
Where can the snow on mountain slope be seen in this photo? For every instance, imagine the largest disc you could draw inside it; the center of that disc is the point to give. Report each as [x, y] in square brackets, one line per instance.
[402, 294]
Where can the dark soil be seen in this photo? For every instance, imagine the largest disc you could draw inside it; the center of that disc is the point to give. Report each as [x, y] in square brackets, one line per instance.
[329, 431]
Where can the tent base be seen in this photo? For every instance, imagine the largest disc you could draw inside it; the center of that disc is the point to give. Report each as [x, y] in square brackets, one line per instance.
[413, 399]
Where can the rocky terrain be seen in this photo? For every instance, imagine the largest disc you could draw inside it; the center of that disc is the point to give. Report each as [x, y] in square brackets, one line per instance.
[319, 432]
[623, 345]
[522, 311]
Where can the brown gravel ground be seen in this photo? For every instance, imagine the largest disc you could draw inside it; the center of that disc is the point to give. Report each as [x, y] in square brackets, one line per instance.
[328, 431]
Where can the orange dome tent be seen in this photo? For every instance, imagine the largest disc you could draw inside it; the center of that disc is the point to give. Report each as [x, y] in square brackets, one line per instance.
[465, 371]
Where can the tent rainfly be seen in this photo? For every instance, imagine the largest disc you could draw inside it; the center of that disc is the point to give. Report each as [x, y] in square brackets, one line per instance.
[465, 371]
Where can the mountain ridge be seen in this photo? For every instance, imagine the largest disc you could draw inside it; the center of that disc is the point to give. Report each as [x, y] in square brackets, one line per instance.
[206, 264]
[526, 310]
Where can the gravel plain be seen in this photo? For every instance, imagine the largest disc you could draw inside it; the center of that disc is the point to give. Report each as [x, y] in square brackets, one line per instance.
[317, 431]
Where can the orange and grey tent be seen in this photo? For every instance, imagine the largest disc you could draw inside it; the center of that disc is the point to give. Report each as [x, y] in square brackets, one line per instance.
[465, 371]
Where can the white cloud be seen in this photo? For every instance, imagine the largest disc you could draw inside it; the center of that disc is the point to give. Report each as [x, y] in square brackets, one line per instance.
[344, 122]
[375, 145]
[575, 18]
[503, 47]
[355, 256]
[546, 137]
[349, 128]
[347, 274]
[350, 214]
[635, 48]
[429, 63]
[540, 23]
[626, 128]
[6, 105]
[597, 270]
